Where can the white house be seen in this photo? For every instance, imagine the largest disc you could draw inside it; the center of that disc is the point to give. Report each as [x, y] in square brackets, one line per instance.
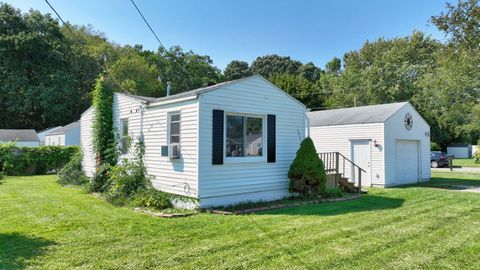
[223, 144]
[65, 136]
[391, 142]
[43, 133]
[21, 137]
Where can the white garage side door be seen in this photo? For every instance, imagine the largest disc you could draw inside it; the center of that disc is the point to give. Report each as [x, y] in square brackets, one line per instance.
[406, 161]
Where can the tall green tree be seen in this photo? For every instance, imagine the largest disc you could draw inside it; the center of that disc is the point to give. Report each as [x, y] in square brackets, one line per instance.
[300, 88]
[237, 70]
[185, 69]
[39, 86]
[274, 64]
[310, 72]
[461, 23]
[137, 76]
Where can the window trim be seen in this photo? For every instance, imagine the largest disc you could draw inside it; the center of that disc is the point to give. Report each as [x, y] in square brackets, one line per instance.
[169, 121]
[245, 159]
[122, 120]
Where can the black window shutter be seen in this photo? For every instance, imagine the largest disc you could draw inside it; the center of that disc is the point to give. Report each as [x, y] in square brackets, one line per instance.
[271, 138]
[217, 137]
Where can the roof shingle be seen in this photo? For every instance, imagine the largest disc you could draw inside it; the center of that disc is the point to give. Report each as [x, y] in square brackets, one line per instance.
[355, 115]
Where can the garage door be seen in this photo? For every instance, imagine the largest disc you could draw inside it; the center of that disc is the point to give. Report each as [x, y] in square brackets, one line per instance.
[406, 162]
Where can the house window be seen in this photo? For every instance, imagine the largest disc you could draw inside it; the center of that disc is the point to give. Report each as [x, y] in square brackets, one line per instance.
[174, 128]
[244, 136]
[124, 138]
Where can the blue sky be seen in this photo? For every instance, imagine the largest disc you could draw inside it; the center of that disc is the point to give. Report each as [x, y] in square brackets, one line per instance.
[226, 30]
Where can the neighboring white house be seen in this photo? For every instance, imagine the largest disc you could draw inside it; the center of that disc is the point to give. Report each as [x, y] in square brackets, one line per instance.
[391, 142]
[65, 136]
[223, 144]
[460, 150]
[21, 137]
[43, 133]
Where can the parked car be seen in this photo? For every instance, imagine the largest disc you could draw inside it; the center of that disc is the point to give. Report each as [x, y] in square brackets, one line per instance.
[439, 159]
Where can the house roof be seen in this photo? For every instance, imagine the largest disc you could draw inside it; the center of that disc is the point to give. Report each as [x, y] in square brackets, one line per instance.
[47, 130]
[65, 129]
[142, 98]
[199, 91]
[459, 145]
[355, 115]
[22, 135]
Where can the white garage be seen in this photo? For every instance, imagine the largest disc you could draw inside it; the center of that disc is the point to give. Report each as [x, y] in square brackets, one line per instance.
[389, 142]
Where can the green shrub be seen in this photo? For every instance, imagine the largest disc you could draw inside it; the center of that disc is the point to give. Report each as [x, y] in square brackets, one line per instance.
[100, 182]
[128, 178]
[16, 160]
[435, 147]
[2, 175]
[476, 157]
[334, 192]
[72, 173]
[307, 172]
[152, 198]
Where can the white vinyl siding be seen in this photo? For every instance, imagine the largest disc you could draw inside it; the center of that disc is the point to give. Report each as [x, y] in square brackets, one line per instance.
[339, 139]
[177, 176]
[250, 97]
[55, 139]
[86, 142]
[395, 130]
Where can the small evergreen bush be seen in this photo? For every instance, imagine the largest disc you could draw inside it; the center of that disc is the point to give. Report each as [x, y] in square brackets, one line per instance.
[72, 173]
[307, 172]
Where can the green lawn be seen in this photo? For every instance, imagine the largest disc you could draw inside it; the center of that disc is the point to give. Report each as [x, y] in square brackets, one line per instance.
[46, 226]
[465, 162]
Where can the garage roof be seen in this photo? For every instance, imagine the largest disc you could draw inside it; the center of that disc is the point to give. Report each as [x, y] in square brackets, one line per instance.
[65, 129]
[23, 135]
[355, 115]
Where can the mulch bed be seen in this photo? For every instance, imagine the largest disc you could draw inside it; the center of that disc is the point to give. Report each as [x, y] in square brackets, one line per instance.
[274, 206]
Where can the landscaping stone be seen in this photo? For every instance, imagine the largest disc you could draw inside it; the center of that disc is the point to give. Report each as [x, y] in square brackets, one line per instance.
[162, 215]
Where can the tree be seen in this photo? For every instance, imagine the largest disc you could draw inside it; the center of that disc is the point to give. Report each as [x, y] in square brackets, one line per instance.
[186, 70]
[274, 64]
[310, 72]
[300, 88]
[334, 66]
[137, 76]
[39, 85]
[237, 70]
[461, 23]
[307, 172]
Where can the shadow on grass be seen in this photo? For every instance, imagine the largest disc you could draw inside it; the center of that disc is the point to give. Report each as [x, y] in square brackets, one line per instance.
[453, 182]
[364, 204]
[17, 249]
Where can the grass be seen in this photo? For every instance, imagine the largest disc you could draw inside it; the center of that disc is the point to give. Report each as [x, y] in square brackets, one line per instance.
[46, 226]
[465, 162]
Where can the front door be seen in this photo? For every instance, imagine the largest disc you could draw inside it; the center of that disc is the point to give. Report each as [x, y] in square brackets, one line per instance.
[361, 157]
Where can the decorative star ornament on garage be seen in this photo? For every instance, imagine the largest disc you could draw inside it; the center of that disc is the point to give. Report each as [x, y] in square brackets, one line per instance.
[408, 121]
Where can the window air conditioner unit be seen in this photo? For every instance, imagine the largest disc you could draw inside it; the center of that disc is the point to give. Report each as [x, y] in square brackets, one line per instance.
[174, 151]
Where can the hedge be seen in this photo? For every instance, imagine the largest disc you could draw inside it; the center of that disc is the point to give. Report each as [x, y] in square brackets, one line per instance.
[16, 160]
